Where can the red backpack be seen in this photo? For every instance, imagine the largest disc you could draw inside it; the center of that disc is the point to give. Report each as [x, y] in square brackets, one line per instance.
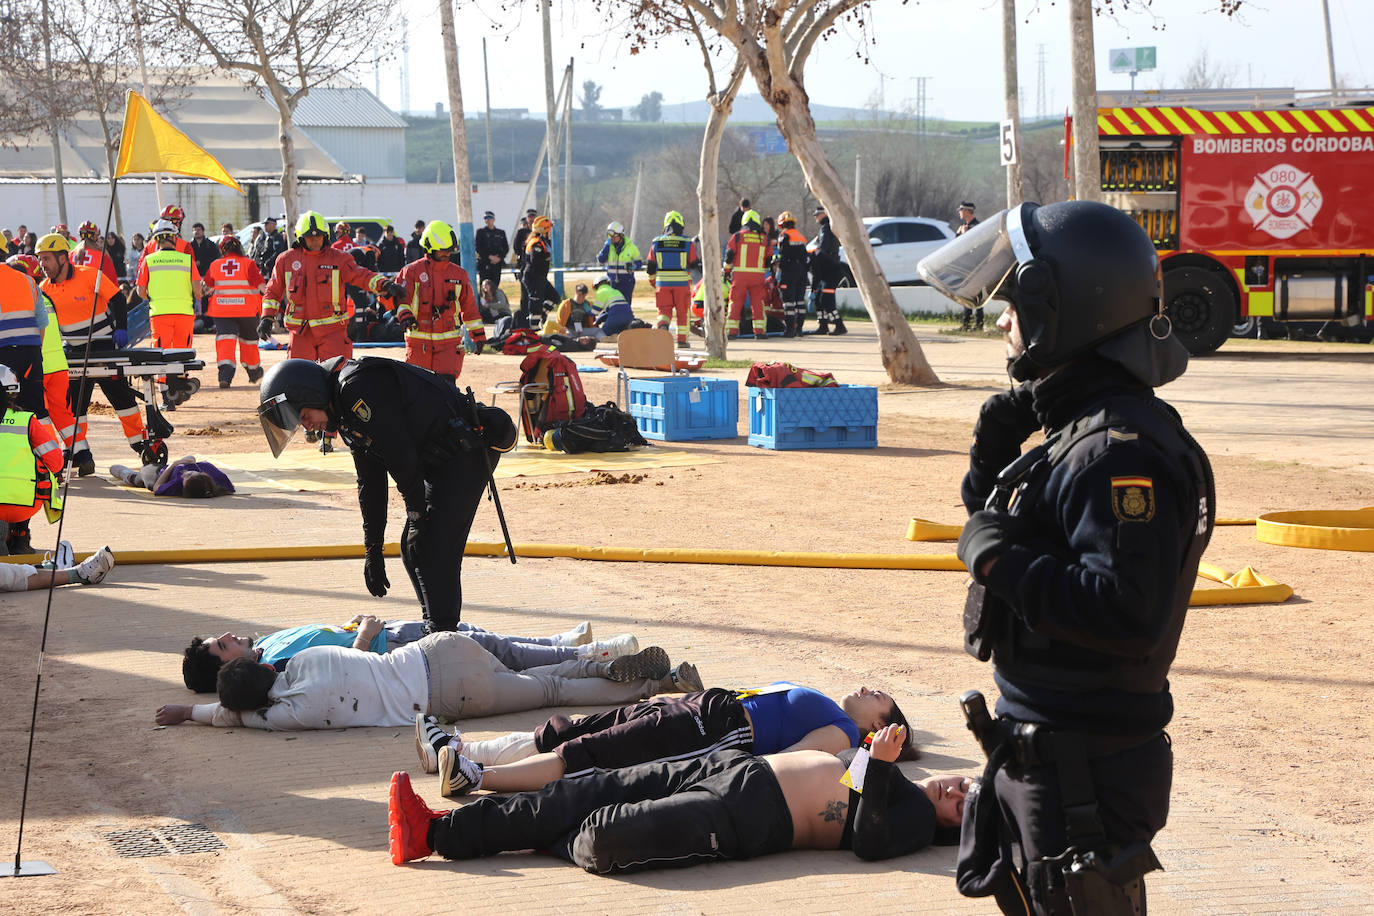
[563, 400]
[786, 375]
[521, 340]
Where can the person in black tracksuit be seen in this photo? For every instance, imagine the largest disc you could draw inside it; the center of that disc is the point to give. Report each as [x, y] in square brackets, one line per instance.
[518, 245]
[391, 252]
[826, 271]
[406, 422]
[492, 249]
[1083, 553]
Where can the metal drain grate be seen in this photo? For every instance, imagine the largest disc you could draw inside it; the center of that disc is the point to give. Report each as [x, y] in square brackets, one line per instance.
[172, 840]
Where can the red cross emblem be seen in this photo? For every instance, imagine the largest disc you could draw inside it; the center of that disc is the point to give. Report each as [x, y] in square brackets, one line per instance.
[229, 268]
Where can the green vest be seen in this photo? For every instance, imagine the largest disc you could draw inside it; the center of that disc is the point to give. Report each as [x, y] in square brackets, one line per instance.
[54, 357]
[169, 283]
[18, 467]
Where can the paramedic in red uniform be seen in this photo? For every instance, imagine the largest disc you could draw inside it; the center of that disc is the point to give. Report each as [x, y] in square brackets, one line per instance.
[90, 254]
[235, 290]
[749, 253]
[437, 303]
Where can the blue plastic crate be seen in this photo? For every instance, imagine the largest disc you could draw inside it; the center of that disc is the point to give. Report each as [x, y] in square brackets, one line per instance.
[845, 416]
[678, 407]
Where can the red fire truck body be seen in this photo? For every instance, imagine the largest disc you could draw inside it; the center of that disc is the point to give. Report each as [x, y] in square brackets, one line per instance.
[1256, 214]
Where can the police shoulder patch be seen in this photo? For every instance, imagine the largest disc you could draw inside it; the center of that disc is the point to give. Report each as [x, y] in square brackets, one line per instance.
[364, 413]
[1133, 498]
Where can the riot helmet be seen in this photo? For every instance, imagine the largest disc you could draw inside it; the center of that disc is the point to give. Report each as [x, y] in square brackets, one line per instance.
[288, 388]
[1077, 273]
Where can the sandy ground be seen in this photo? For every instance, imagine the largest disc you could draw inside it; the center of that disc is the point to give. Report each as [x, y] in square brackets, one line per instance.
[1270, 811]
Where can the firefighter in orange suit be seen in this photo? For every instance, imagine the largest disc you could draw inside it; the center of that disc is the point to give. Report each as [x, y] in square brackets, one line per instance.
[234, 286]
[309, 288]
[749, 254]
[436, 304]
[87, 303]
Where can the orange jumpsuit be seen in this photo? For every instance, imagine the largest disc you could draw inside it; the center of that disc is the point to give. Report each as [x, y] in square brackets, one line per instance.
[749, 252]
[437, 295]
[310, 289]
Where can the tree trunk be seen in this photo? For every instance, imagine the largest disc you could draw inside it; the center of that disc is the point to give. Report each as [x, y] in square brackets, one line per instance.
[901, 353]
[462, 181]
[1087, 179]
[1011, 94]
[709, 215]
[289, 185]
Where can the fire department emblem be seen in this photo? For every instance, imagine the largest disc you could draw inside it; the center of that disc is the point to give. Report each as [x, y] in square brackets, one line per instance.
[424, 277]
[1133, 498]
[295, 265]
[1283, 201]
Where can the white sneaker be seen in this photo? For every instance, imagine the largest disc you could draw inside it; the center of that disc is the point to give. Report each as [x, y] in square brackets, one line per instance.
[64, 559]
[607, 649]
[579, 635]
[429, 737]
[457, 774]
[96, 567]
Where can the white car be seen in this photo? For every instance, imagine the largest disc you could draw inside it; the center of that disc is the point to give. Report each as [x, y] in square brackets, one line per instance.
[900, 242]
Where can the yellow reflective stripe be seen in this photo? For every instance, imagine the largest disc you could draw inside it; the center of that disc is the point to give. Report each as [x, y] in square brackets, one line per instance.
[1333, 122]
[1149, 118]
[1229, 123]
[1259, 126]
[473, 325]
[1302, 118]
[1202, 120]
[1127, 121]
[1279, 121]
[434, 335]
[1359, 122]
[1180, 125]
[1105, 126]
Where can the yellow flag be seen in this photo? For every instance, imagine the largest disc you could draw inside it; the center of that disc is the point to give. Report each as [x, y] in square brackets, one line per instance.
[151, 144]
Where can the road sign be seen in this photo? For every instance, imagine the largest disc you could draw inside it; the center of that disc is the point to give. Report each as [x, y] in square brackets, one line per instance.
[1131, 60]
[1007, 142]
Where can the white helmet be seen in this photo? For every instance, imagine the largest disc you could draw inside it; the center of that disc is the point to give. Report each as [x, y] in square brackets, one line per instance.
[165, 227]
[8, 380]
[615, 228]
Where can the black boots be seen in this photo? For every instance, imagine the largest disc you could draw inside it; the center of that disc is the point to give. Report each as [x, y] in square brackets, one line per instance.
[839, 328]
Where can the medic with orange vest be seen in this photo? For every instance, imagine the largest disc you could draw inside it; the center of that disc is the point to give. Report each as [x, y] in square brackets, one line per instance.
[234, 286]
[749, 253]
[437, 295]
[309, 287]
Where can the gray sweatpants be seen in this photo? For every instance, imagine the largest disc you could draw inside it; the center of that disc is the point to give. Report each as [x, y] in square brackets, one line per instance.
[468, 682]
[515, 652]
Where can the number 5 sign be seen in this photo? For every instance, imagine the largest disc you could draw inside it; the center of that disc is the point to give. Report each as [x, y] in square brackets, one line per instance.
[1007, 142]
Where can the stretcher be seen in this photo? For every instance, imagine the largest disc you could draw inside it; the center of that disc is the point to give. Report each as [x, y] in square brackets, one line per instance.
[139, 368]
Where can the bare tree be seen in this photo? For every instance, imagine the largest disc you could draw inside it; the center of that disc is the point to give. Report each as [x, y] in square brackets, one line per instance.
[283, 49]
[1204, 73]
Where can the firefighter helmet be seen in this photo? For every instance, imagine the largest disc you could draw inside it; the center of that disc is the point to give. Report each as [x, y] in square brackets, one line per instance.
[26, 263]
[62, 230]
[438, 236]
[53, 242]
[342, 227]
[88, 230]
[164, 227]
[615, 228]
[230, 244]
[1077, 273]
[311, 223]
[751, 218]
[288, 388]
[542, 225]
[603, 280]
[673, 218]
[785, 218]
[173, 213]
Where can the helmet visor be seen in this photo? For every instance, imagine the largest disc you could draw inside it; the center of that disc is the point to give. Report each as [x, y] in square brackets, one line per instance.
[280, 423]
[973, 267]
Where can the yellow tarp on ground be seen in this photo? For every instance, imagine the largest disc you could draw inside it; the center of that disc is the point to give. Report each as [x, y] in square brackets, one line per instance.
[306, 469]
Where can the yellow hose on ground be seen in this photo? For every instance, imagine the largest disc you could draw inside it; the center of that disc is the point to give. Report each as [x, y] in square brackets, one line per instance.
[1320, 529]
[923, 530]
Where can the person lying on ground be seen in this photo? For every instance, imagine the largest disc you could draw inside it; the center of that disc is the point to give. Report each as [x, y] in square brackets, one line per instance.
[726, 805]
[202, 659]
[185, 477]
[774, 719]
[445, 674]
[19, 577]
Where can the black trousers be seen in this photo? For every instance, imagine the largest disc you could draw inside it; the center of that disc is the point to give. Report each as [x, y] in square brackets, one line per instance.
[657, 815]
[27, 365]
[1132, 789]
[432, 550]
[663, 729]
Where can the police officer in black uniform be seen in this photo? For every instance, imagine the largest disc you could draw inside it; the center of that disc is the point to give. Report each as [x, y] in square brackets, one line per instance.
[491, 243]
[1083, 553]
[826, 271]
[405, 421]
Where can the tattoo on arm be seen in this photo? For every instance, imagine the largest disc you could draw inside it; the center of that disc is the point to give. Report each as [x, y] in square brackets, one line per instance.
[834, 811]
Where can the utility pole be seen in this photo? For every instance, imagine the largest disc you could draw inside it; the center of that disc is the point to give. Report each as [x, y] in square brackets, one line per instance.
[462, 180]
[858, 174]
[1330, 53]
[143, 79]
[405, 64]
[486, 82]
[921, 106]
[1012, 98]
[550, 113]
[1087, 184]
[634, 207]
[1042, 110]
[567, 154]
[51, 104]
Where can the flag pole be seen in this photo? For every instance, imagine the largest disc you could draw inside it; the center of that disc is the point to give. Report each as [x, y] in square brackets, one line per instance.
[143, 74]
[24, 869]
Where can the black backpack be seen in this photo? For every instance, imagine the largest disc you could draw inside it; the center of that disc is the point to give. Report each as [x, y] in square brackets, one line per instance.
[604, 428]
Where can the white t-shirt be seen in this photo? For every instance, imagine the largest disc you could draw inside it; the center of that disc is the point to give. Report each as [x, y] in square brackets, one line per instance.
[337, 687]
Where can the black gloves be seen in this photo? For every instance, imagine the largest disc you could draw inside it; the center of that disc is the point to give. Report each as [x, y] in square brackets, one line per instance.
[987, 535]
[1005, 421]
[451, 440]
[406, 321]
[265, 328]
[393, 289]
[374, 572]
[478, 346]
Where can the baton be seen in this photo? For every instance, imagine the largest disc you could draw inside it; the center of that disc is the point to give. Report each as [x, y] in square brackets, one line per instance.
[492, 494]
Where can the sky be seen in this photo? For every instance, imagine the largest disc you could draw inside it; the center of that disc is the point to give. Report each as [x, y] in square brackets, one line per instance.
[954, 44]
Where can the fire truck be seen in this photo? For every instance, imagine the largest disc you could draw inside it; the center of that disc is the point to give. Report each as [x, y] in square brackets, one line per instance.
[1257, 215]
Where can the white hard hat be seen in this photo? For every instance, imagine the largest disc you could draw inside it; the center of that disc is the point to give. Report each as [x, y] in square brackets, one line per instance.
[8, 380]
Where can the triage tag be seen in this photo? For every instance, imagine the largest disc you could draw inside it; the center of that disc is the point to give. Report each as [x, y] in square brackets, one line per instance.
[853, 777]
[694, 396]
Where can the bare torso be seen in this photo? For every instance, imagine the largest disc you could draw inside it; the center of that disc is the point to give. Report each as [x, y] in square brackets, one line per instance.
[818, 802]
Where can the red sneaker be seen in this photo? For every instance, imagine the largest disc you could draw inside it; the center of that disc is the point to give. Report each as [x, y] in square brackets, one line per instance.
[409, 819]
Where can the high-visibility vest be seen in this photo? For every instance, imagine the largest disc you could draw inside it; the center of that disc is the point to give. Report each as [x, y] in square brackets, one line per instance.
[85, 293]
[169, 283]
[671, 254]
[620, 263]
[751, 250]
[233, 294]
[18, 468]
[19, 305]
[54, 357]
